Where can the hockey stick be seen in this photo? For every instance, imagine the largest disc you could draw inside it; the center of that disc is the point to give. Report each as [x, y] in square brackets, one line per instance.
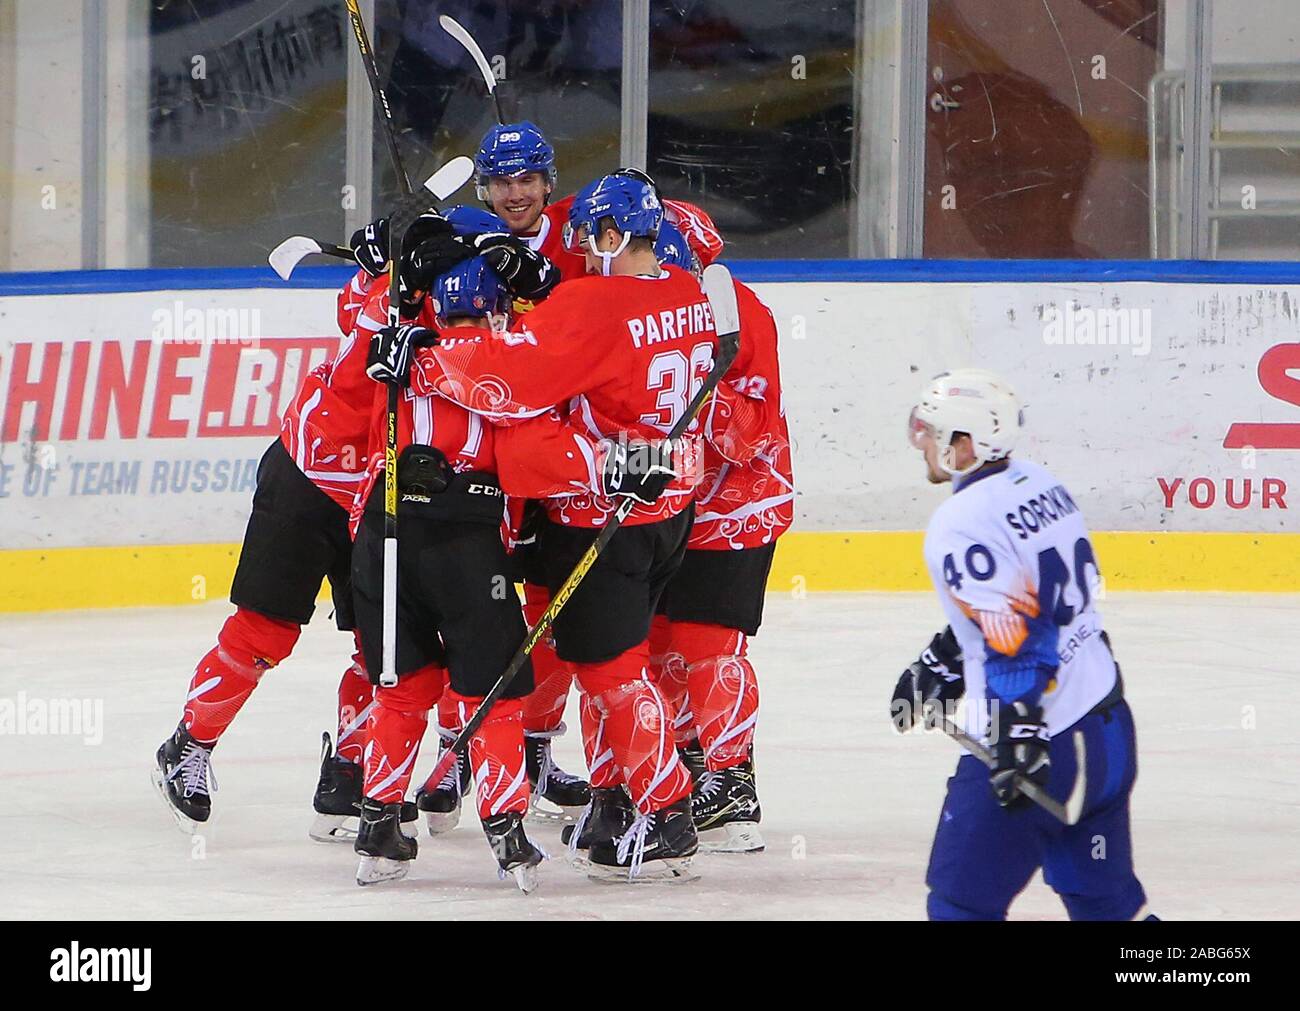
[296, 248]
[397, 225]
[401, 219]
[381, 100]
[1028, 787]
[285, 257]
[454, 28]
[721, 293]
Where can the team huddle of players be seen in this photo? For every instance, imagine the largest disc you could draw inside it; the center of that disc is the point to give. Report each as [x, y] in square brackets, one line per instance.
[545, 350]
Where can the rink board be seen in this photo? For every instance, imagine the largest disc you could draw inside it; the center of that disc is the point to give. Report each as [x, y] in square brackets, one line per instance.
[134, 406]
[806, 562]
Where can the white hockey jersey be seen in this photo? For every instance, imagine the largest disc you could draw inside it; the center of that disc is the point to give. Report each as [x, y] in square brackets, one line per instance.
[1010, 558]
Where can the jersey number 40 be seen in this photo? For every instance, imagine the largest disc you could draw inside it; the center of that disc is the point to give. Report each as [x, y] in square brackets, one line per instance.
[1054, 576]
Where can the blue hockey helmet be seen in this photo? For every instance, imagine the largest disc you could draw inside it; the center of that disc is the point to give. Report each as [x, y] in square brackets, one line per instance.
[471, 288]
[629, 203]
[512, 149]
[467, 220]
[671, 248]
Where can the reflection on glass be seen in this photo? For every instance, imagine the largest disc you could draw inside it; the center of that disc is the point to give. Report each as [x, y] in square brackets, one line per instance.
[246, 127]
[751, 117]
[559, 64]
[1036, 127]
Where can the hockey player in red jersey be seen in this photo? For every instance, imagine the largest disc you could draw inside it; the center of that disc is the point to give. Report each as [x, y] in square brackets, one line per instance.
[449, 514]
[459, 620]
[714, 604]
[516, 177]
[297, 535]
[624, 350]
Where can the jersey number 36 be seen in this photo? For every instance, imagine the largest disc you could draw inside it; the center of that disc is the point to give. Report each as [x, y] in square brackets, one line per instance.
[677, 379]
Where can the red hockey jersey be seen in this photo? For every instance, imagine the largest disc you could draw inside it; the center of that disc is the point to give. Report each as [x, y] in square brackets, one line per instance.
[327, 427]
[746, 497]
[542, 457]
[623, 354]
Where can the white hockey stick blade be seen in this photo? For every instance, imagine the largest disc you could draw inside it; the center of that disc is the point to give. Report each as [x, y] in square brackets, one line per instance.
[721, 292]
[289, 253]
[451, 177]
[453, 28]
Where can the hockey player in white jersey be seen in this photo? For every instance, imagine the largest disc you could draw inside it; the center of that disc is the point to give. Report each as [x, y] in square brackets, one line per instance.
[1017, 577]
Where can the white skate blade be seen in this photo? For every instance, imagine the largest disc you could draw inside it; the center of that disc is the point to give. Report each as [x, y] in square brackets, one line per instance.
[334, 828]
[438, 823]
[542, 810]
[734, 837]
[676, 871]
[373, 870]
[527, 878]
[185, 823]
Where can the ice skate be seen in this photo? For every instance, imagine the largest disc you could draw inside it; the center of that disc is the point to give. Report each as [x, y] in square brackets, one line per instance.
[183, 776]
[607, 817]
[556, 795]
[386, 851]
[724, 806]
[441, 806]
[337, 802]
[515, 852]
[657, 847]
[692, 756]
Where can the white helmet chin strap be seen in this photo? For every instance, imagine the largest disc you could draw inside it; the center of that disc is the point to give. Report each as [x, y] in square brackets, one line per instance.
[607, 259]
[948, 455]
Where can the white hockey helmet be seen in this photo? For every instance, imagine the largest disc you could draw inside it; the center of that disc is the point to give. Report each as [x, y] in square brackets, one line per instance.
[974, 401]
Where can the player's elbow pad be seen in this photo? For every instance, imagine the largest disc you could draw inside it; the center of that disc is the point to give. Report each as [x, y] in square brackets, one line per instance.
[1017, 678]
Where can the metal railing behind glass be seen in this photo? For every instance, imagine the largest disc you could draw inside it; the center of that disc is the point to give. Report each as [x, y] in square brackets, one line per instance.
[1243, 153]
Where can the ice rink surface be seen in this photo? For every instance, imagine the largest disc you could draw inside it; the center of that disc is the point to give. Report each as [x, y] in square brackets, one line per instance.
[849, 807]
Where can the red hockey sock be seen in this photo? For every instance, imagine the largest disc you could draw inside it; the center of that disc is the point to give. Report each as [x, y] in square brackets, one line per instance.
[397, 722]
[248, 645]
[453, 711]
[668, 671]
[356, 695]
[595, 678]
[639, 724]
[496, 754]
[544, 706]
[722, 688]
[600, 756]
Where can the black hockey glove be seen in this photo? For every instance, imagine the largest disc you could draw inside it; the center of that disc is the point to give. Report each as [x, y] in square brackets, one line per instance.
[1020, 748]
[429, 249]
[637, 470]
[934, 680]
[370, 247]
[525, 272]
[391, 350]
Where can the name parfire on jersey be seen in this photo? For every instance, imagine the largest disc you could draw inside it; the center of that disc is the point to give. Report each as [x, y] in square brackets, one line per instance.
[571, 350]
